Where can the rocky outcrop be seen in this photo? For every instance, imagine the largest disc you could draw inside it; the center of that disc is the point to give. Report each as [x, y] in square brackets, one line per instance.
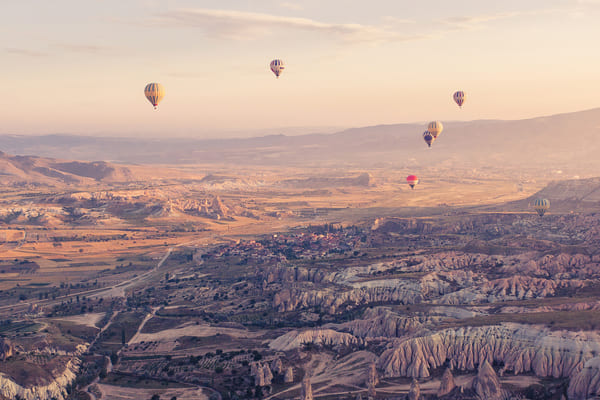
[522, 348]
[277, 366]
[53, 390]
[415, 390]
[331, 300]
[373, 376]
[447, 383]
[506, 289]
[586, 382]
[451, 278]
[579, 306]
[7, 349]
[306, 390]
[372, 381]
[383, 322]
[261, 373]
[486, 384]
[326, 337]
[289, 375]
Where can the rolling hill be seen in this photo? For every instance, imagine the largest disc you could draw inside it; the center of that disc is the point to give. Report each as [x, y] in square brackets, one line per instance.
[49, 171]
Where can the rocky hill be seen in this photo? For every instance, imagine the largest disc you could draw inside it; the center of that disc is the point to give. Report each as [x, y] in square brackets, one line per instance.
[566, 196]
[52, 172]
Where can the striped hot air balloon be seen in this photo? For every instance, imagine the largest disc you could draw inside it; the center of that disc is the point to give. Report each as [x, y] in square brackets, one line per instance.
[428, 138]
[459, 98]
[277, 66]
[412, 180]
[541, 206]
[154, 93]
[435, 128]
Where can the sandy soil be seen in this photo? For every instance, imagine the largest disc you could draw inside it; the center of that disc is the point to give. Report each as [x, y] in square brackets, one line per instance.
[192, 330]
[84, 319]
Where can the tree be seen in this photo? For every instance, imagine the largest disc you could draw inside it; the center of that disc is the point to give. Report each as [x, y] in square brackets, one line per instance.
[155, 397]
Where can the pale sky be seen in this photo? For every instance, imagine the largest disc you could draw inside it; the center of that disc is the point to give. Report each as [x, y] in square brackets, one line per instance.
[80, 66]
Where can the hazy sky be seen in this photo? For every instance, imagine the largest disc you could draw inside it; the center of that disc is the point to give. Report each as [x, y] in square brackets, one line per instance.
[80, 66]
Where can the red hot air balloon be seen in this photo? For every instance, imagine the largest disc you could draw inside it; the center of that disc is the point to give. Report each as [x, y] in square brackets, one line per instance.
[412, 180]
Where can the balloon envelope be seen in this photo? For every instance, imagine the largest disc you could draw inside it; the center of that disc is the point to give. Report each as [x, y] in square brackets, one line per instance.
[541, 206]
[277, 66]
[154, 93]
[435, 128]
[459, 98]
[428, 138]
[412, 180]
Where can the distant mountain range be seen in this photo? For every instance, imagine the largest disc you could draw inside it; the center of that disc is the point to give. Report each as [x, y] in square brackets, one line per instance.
[559, 142]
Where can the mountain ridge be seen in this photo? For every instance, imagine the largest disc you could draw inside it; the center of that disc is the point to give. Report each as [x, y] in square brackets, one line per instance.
[566, 140]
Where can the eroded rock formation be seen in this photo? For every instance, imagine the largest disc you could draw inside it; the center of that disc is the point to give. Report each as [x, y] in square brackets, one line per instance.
[447, 383]
[55, 389]
[7, 349]
[415, 390]
[306, 391]
[383, 322]
[586, 382]
[261, 373]
[327, 337]
[289, 375]
[522, 348]
[372, 381]
[486, 384]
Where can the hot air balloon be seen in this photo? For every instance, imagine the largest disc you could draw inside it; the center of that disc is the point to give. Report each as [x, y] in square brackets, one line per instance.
[435, 128]
[154, 93]
[541, 206]
[412, 180]
[459, 98]
[277, 66]
[428, 138]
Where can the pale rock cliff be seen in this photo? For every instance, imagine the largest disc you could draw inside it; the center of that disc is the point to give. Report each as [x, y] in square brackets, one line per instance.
[522, 348]
[383, 322]
[55, 389]
[586, 382]
[327, 337]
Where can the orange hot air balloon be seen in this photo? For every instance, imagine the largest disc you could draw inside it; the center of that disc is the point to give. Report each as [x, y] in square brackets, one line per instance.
[412, 180]
[435, 128]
